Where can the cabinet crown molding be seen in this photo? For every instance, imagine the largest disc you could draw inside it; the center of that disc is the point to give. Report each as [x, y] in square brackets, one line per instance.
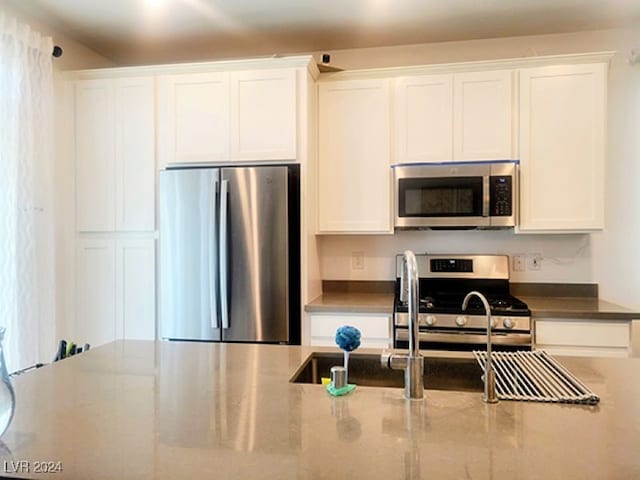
[299, 61]
[473, 66]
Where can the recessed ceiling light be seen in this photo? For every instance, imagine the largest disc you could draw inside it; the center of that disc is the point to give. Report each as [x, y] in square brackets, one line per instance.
[156, 3]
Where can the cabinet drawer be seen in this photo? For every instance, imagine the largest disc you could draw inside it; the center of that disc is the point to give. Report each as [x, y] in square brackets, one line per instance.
[375, 329]
[583, 333]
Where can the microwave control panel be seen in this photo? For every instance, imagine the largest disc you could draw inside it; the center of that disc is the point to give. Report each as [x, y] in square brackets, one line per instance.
[501, 195]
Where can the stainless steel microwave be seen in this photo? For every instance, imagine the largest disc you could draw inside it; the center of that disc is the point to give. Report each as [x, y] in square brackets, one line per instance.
[456, 195]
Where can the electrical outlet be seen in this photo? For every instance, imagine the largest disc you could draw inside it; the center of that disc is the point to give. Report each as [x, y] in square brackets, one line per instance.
[357, 260]
[519, 263]
[535, 261]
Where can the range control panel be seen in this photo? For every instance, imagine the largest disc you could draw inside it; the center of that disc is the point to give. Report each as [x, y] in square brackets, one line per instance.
[451, 265]
[501, 195]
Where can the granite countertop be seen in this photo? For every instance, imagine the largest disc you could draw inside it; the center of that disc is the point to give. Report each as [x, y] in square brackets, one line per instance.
[352, 302]
[541, 307]
[179, 410]
[577, 307]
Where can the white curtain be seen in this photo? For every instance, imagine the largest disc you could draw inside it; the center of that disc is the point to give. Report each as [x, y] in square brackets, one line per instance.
[27, 307]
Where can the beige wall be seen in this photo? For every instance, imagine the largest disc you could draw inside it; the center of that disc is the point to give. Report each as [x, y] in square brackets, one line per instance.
[76, 55]
[609, 258]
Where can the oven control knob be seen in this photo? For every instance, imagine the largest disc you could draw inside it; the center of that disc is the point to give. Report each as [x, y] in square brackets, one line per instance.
[508, 323]
[430, 320]
[461, 320]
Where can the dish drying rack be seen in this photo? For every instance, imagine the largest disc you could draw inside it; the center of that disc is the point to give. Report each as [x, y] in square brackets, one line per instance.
[535, 376]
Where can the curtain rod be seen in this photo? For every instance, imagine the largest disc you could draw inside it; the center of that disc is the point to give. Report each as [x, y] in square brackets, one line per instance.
[57, 51]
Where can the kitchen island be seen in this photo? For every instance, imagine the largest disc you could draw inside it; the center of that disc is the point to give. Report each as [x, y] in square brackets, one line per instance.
[154, 410]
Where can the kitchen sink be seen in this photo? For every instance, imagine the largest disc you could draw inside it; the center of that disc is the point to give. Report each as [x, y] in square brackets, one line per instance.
[440, 373]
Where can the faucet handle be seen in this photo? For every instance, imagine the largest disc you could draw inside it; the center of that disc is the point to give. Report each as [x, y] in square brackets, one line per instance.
[393, 361]
[385, 358]
[404, 287]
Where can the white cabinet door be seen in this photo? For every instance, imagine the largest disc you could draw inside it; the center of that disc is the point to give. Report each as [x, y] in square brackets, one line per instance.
[94, 155]
[423, 119]
[135, 289]
[135, 154]
[597, 338]
[193, 118]
[562, 147]
[263, 115]
[115, 290]
[354, 194]
[95, 292]
[375, 329]
[115, 155]
[483, 116]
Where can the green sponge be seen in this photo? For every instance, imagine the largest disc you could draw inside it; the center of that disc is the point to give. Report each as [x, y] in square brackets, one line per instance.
[336, 392]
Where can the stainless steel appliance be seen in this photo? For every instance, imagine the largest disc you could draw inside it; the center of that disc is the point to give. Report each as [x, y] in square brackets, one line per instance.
[456, 195]
[444, 282]
[230, 254]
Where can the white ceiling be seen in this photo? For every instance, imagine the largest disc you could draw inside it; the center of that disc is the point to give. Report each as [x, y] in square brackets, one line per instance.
[153, 31]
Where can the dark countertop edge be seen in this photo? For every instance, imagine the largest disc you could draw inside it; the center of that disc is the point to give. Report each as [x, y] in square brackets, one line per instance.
[577, 315]
[610, 311]
[327, 308]
[583, 315]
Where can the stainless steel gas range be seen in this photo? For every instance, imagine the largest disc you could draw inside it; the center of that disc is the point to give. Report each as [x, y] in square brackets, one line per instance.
[444, 281]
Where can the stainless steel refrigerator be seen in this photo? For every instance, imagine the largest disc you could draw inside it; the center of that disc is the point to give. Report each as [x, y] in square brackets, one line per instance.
[230, 254]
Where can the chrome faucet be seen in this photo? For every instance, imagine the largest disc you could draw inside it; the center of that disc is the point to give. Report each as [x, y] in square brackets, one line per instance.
[489, 375]
[413, 362]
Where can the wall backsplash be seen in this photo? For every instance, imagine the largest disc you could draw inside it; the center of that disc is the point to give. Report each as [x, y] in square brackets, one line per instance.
[565, 258]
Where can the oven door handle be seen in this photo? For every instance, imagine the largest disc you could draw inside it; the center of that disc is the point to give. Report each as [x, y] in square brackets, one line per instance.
[462, 337]
[486, 195]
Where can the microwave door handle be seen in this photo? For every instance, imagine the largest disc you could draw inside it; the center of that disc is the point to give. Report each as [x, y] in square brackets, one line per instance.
[486, 197]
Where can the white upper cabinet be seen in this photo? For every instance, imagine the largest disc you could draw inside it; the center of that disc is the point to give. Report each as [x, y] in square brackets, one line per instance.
[562, 145]
[193, 118]
[115, 154]
[354, 194]
[223, 116]
[483, 115]
[463, 116]
[135, 154]
[94, 155]
[424, 119]
[263, 115]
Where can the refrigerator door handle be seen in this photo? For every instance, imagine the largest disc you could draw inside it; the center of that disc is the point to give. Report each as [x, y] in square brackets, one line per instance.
[223, 260]
[215, 320]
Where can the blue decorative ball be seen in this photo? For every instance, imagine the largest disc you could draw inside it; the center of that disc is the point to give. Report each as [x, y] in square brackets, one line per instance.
[348, 338]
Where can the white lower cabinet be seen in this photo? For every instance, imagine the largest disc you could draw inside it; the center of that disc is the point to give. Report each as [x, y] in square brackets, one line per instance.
[135, 289]
[593, 338]
[95, 292]
[115, 290]
[375, 329]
